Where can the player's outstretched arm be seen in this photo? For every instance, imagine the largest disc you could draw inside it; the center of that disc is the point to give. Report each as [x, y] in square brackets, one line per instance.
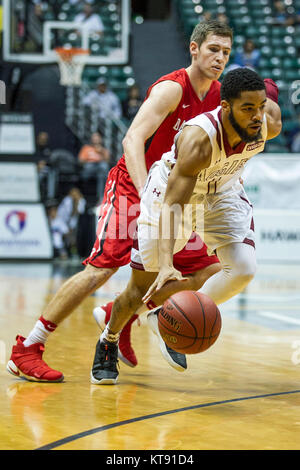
[193, 155]
[163, 100]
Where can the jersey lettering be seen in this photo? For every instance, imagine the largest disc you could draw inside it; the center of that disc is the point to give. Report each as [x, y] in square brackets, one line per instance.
[226, 163]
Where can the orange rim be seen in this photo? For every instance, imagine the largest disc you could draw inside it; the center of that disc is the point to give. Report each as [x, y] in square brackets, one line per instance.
[68, 54]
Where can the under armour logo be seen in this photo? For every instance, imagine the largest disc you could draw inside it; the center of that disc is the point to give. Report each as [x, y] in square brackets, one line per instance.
[156, 192]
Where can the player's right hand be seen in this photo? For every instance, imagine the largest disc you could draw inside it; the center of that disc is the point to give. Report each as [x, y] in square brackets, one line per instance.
[165, 275]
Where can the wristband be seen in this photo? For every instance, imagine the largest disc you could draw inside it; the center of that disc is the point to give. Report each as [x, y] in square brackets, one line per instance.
[271, 89]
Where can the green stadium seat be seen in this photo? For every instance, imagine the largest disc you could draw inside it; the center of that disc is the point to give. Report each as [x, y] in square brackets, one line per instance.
[262, 40]
[275, 61]
[290, 63]
[266, 51]
[276, 42]
[261, 20]
[280, 51]
[292, 75]
[278, 31]
[265, 63]
[252, 31]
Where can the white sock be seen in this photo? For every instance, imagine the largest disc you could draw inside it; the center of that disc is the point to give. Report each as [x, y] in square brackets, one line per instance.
[40, 332]
[112, 338]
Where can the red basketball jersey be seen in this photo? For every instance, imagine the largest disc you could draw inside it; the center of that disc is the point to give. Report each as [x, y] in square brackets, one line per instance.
[190, 105]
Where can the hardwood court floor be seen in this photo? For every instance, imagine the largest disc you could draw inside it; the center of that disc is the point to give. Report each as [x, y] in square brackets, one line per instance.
[243, 393]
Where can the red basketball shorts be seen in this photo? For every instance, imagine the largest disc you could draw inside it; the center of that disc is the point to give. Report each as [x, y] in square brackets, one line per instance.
[116, 228]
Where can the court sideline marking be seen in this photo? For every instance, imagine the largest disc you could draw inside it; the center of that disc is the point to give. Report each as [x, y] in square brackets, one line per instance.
[80, 435]
[277, 316]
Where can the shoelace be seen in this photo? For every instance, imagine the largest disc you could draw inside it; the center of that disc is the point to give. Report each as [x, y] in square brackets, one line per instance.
[110, 355]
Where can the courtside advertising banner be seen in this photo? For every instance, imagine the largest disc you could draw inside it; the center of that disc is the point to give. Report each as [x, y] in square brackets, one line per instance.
[16, 134]
[19, 182]
[271, 181]
[24, 232]
[277, 235]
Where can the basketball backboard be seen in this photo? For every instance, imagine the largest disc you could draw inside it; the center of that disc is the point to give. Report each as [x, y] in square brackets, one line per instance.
[32, 30]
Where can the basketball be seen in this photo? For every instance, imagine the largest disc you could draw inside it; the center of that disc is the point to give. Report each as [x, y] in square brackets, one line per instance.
[189, 322]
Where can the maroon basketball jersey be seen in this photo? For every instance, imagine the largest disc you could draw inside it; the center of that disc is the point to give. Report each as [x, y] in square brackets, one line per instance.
[190, 105]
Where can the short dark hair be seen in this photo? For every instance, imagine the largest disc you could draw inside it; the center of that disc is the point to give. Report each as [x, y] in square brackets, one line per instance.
[203, 29]
[238, 80]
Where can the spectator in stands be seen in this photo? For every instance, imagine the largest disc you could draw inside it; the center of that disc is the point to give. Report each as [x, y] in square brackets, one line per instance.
[282, 16]
[206, 16]
[249, 56]
[94, 158]
[42, 150]
[64, 222]
[89, 19]
[42, 154]
[293, 138]
[38, 11]
[222, 18]
[132, 104]
[104, 100]
[58, 230]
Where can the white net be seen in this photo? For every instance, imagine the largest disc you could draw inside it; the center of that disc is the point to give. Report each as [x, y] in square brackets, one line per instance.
[71, 63]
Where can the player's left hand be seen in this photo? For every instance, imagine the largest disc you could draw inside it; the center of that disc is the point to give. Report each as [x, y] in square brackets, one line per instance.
[165, 275]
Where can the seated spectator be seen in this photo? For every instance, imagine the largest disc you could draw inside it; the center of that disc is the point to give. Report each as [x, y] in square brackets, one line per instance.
[293, 137]
[42, 148]
[58, 230]
[132, 104]
[94, 158]
[249, 56]
[205, 16]
[104, 100]
[42, 155]
[222, 18]
[281, 15]
[295, 147]
[64, 222]
[89, 19]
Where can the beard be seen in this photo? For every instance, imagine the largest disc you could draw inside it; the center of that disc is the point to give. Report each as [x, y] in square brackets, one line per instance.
[243, 134]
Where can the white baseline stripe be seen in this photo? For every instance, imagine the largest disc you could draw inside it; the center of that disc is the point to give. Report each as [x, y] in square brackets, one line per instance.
[283, 318]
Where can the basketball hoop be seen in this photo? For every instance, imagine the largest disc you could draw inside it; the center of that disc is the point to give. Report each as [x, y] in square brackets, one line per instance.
[71, 62]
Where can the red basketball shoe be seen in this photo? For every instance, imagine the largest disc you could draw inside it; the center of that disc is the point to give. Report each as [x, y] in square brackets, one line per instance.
[27, 362]
[126, 353]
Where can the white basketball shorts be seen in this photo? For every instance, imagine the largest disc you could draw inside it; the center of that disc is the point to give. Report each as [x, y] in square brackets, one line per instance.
[219, 219]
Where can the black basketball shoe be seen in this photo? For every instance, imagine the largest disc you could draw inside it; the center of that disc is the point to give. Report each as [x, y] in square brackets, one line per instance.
[174, 358]
[105, 370]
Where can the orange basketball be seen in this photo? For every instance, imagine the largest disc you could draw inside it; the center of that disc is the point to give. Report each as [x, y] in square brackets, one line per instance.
[189, 322]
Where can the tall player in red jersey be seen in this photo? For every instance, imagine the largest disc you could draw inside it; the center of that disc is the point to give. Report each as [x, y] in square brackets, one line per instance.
[170, 101]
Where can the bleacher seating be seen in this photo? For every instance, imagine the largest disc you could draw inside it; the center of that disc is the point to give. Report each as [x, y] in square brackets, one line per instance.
[110, 13]
[279, 45]
[120, 77]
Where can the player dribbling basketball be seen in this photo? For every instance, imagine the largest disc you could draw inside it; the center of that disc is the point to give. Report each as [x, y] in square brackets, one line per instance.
[202, 168]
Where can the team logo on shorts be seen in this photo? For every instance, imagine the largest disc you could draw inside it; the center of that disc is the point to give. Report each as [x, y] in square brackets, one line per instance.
[156, 192]
[15, 221]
